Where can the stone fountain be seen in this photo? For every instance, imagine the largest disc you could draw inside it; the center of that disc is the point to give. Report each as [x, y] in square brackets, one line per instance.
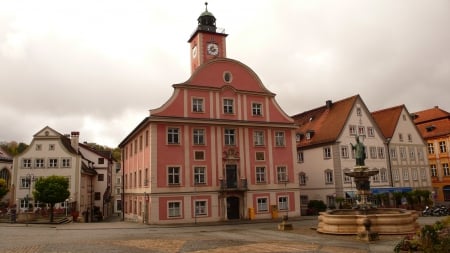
[364, 219]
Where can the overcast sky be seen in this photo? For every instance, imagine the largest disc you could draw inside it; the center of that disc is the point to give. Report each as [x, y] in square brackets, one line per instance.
[97, 67]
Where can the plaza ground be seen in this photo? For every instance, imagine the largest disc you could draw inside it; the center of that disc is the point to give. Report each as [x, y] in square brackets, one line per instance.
[118, 236]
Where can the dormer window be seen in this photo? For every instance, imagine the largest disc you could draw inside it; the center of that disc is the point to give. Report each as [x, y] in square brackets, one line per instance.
[309, 134]
[430, 128]
[298, 137]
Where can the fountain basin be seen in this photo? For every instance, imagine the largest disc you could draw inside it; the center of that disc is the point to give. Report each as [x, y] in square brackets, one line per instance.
[383, 221]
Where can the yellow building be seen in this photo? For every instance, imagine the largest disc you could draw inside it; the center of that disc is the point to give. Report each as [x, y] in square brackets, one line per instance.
[434, 126]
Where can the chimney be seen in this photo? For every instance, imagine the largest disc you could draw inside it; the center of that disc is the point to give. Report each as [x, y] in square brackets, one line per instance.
[328, 104]
[74, 139]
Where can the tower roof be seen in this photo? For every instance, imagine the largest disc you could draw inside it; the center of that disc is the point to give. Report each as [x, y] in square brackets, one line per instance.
[206, 21]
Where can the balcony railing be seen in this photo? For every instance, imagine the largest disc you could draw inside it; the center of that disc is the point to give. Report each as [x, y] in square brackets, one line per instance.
[235, 185]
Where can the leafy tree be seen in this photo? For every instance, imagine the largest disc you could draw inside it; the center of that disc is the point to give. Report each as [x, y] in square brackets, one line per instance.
[3, 188]
[13, 148]
[51, 190]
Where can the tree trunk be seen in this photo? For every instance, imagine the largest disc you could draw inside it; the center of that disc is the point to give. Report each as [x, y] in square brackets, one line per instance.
[51, 212]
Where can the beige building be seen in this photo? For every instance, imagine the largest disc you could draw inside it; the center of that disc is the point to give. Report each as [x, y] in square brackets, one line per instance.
[51, 153]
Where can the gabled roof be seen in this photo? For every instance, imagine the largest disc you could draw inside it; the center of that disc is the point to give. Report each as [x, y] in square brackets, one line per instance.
[387, 119]
[325, 122]
[103, 153]
[432, 122]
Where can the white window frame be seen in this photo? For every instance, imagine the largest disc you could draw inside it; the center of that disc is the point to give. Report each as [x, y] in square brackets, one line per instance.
[380, 151]
[230, 136]
[258, 138]
[328, 174]
[433, 170]
[282, 174]
[256, 109]
[352, 129]
[26, 163]
[198, 135]
[53, 162]
[370, 132]
[201, 207]
[173, 175]
[344, 151]
[327, 153]
[442, 147]
[300, 157]
[430, 148]
[260, 172]
[66, 162]
[228, 106]
[39, 163]
[173, 135]
[262, 204]
[279, 139]
[445, 169]
[283, 203]
[302, 178]
[199, 175]
[198, 105]
[174, 209]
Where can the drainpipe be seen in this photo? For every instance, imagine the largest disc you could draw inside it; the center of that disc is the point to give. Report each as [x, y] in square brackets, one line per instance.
[388, 140]
[123, 186]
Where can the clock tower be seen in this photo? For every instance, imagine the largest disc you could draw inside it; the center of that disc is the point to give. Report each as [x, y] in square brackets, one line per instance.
[207, 42]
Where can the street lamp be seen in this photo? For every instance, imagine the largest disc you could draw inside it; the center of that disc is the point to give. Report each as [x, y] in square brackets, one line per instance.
[29, 178]
[65, 204]
[285, 192]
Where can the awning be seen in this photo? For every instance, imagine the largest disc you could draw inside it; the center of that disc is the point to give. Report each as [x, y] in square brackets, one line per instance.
[350, 195]
[390, 189]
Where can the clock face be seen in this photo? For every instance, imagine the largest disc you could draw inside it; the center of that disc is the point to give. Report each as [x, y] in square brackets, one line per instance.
[213, 49]
[194, 52]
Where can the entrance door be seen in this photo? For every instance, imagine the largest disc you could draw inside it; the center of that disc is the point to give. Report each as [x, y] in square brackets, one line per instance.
[231, 171]
[232, 208]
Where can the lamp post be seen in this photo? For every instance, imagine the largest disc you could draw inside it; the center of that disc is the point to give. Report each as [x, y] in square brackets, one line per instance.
[30, 178]
[65, 204]
[285, 192]
[145, 207]
[195, 204]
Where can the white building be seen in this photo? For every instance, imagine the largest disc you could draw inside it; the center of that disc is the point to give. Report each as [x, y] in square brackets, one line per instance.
[407, 151]
[324, 150]
[51, 153]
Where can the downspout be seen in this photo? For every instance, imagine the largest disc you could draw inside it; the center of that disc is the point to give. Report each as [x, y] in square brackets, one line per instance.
[123, 188]
[388, 140]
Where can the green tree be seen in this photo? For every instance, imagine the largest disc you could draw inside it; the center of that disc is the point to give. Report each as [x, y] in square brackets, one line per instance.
[51, 190]
[3, 188]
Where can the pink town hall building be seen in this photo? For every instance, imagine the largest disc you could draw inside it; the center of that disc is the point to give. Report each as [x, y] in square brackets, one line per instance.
[219, 149]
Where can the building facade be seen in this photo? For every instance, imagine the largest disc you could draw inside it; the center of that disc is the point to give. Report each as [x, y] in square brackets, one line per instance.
[434, 126]
[51, 153]
[324, 150]
[406, 151]
[219, 149]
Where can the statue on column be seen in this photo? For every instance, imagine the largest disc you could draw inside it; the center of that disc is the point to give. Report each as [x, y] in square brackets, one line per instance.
[360, 152]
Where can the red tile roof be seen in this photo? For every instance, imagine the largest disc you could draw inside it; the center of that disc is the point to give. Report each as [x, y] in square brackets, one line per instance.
[432, 122]
[430, 115]
[387, 119]
[326, 122]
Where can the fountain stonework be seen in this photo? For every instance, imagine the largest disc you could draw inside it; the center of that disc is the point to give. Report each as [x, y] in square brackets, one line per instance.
[365, 220]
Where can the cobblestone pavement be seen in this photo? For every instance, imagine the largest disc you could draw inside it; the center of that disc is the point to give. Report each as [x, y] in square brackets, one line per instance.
[218, 238]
